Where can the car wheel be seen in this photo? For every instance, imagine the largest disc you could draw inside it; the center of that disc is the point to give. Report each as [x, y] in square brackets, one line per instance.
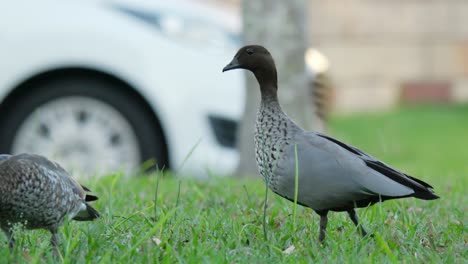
[88, 125]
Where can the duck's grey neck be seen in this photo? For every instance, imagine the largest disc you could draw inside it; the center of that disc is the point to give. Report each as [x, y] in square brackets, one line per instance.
[269, 95]
[268, 80]
[270, 105]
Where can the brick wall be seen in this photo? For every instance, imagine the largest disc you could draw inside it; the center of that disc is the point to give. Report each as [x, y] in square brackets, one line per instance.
[381, 49]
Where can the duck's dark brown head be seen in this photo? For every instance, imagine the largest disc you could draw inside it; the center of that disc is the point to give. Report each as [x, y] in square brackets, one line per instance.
[251, 57]
[259, 61]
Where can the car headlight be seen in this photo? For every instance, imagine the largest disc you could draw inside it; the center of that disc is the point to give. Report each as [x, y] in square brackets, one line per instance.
[183, 29]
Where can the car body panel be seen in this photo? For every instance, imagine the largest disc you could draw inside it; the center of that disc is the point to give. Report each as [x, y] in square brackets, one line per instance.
[181, 84]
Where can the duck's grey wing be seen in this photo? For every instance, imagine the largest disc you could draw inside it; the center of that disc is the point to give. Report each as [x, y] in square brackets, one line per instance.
[79, 189]
[51, 168]
[324, 183]
[420, 188]
[6, 183]
[12, 168]
[3, 172]
[336, 176]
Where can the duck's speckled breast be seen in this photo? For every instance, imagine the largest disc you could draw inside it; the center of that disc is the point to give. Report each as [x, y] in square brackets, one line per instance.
[272, 135]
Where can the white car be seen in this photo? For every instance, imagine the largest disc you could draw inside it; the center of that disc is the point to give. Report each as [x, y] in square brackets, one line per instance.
[102, 86]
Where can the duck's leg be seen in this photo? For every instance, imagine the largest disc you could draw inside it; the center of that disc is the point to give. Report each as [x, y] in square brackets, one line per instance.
[54, 240]
[323, 224]
[353, 216]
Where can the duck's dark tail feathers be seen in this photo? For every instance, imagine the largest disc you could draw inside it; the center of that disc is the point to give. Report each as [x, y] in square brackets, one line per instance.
[90, 198]
[428, 194]
[87, 215]
[425, 192]
[422, 190]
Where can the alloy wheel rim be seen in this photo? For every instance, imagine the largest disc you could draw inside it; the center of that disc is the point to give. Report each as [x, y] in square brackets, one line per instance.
[85, 135]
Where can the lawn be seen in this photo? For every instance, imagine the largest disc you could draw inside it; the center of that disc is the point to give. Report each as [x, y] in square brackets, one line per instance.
[167, 219]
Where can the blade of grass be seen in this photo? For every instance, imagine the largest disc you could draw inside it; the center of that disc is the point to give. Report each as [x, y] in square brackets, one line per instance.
[385, 248]
[150, 232]
[178, 198]
[265, 211]
[156, 196]
[188, 155]
[178, 193]
[296, 187]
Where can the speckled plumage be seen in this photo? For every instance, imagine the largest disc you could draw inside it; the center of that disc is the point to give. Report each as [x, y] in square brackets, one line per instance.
[39, 193]
[332, 176]
[271, 137]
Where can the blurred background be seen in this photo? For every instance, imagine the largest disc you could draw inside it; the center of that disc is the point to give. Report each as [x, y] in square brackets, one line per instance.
[104, 86]
[391, 51]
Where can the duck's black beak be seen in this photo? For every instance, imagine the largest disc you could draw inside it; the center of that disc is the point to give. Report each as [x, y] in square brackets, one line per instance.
[234, 64]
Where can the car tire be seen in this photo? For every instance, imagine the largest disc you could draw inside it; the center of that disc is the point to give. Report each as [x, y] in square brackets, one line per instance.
[148, 133]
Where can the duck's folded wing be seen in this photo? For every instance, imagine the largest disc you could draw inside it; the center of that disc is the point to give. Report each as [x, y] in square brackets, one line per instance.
[395, 182]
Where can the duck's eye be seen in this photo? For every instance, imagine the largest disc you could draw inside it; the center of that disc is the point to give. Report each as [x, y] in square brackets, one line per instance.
[249, 51]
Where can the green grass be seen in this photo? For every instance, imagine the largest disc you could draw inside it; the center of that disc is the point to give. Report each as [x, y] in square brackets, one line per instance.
[220, 220]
